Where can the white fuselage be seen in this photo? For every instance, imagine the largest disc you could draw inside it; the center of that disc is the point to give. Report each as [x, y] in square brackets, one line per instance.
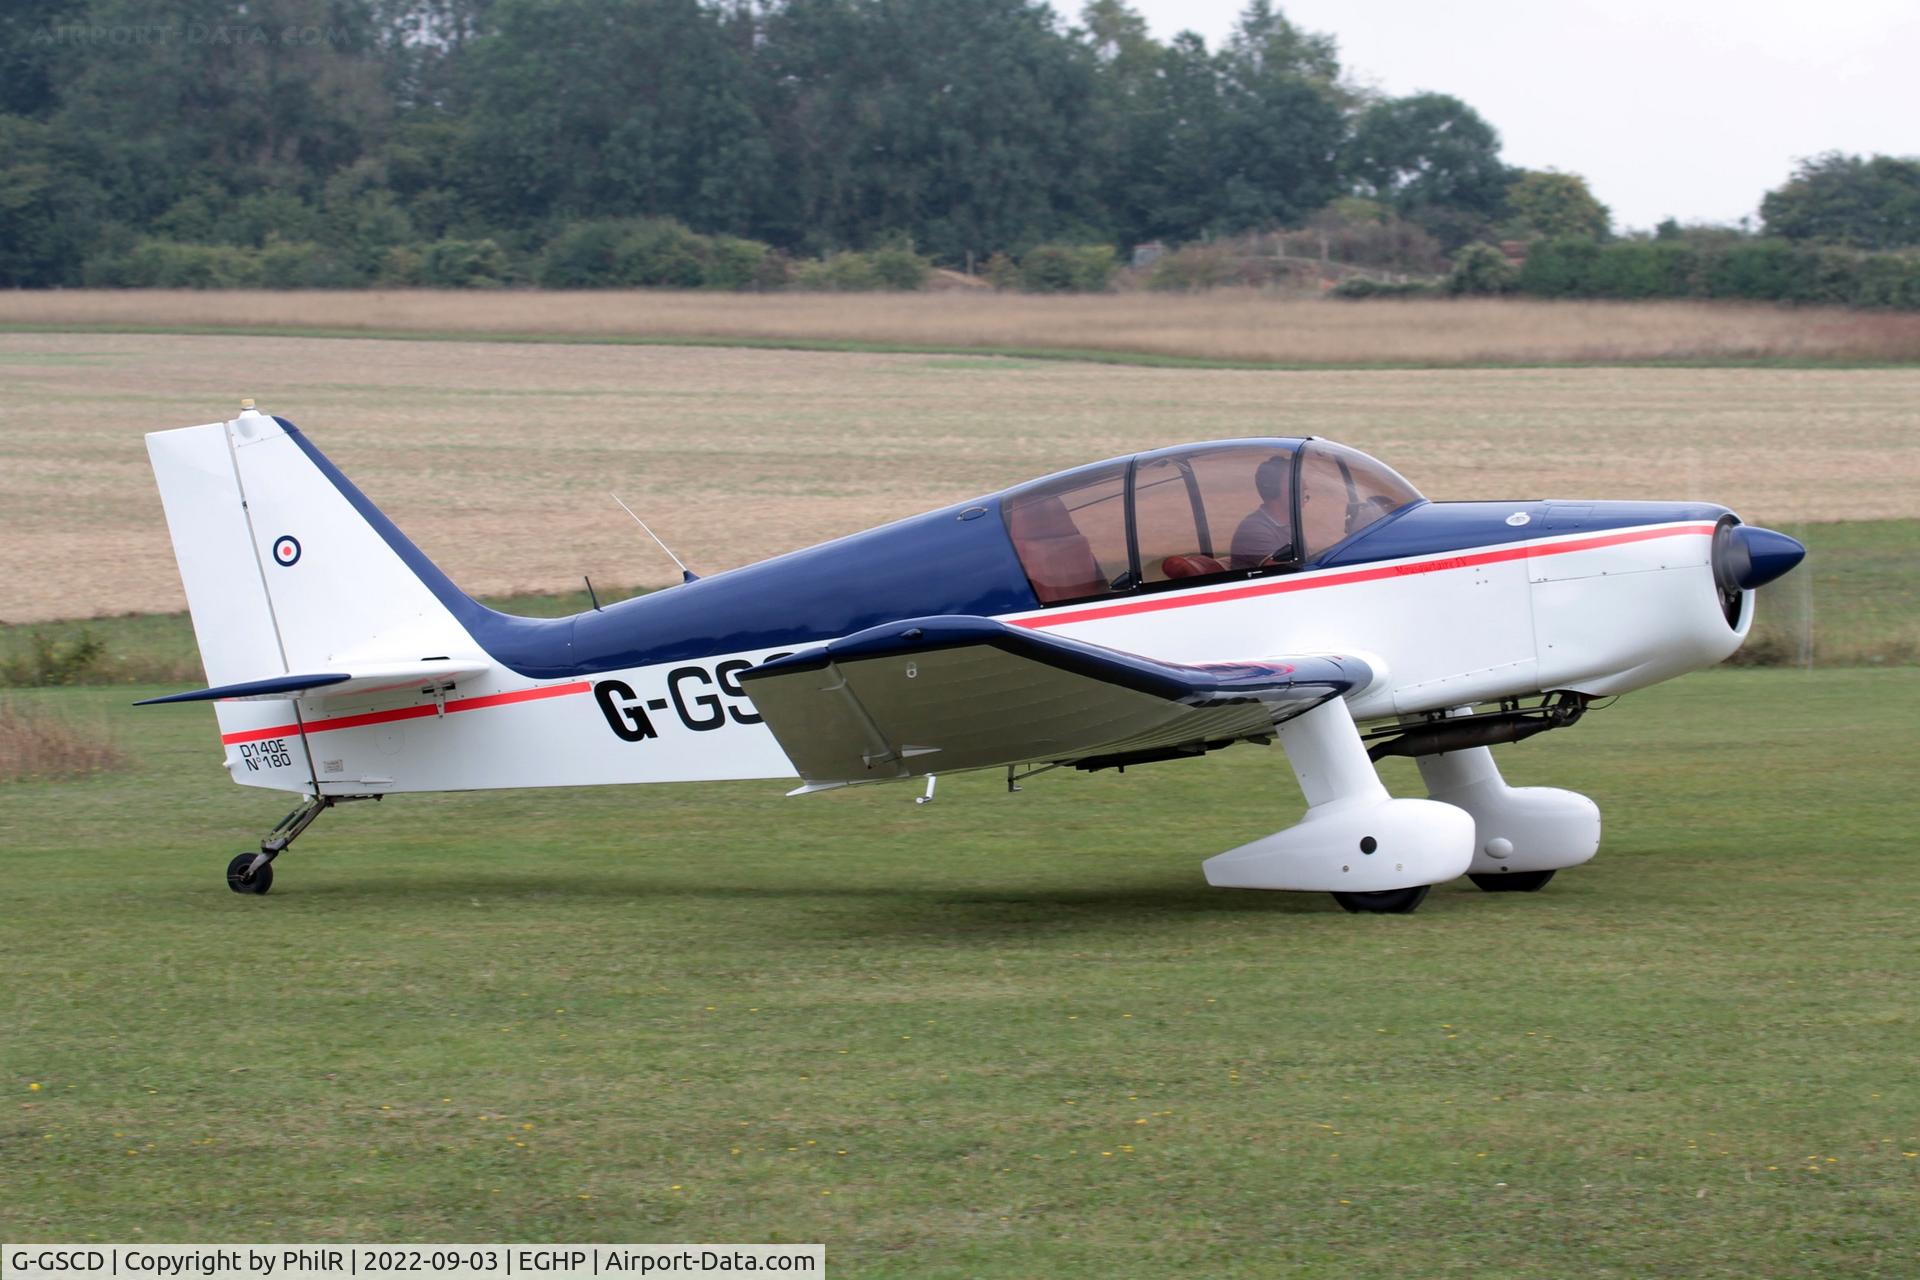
[1601, 613]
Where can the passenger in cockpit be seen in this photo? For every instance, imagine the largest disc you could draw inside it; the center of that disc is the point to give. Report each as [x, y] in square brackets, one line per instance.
[1266, 535]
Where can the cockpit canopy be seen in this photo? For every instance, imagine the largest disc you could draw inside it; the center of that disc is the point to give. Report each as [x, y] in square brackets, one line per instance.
[1236, 509]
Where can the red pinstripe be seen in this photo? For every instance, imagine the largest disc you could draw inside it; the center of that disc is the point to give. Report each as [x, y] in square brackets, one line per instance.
[414, 713]
[1281, 586]
[1155, 604]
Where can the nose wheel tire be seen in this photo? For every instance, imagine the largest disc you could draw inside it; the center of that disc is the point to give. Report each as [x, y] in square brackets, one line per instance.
[1384, 902]
[1512, 881]
[240, 882]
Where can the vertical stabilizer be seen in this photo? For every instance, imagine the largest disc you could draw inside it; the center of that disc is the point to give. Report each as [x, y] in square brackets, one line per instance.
[213, 541]
[287, 574]
[341, 591]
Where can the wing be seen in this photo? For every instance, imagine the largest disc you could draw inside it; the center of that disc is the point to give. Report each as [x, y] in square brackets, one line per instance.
[361, 678]
[937, 695]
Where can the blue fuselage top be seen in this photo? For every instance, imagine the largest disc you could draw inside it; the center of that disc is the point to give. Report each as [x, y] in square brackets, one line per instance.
[958, 560]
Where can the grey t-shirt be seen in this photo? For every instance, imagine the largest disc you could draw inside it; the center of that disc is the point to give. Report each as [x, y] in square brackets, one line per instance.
[1257, 538]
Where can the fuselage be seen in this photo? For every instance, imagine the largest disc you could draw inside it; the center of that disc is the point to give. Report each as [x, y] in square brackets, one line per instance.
[1448, 603]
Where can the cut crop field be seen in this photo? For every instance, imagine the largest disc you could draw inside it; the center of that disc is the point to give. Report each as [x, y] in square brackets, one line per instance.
[1218, 327]
[997, 1035]
[498, 458]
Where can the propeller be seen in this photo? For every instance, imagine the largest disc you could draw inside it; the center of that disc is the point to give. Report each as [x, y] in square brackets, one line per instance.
[1763, 555]
[1746, 557]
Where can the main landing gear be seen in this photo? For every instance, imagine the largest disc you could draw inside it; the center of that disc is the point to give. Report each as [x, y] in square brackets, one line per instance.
[1386, 902]
[1379, 855]
[253, 872]
[1372, 852]
[1522, 834]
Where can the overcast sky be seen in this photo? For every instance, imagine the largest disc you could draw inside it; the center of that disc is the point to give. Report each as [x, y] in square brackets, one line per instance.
[1688, 108]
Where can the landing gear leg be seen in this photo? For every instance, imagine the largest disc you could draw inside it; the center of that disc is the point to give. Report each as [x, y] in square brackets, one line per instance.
[1372, 852]
[253, 872]
[1522, 835]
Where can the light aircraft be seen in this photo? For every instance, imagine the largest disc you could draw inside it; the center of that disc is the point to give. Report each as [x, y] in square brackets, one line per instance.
[1147, 608]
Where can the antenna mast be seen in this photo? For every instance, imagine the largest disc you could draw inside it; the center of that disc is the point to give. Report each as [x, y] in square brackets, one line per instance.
[686, 574]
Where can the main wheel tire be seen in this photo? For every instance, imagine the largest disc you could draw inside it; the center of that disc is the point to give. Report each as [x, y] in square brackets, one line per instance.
[237, 880]
[1512, 881]
[1384, 902]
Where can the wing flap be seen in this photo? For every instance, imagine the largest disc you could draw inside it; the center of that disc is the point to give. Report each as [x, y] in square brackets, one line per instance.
[359, 680]
[945, 694]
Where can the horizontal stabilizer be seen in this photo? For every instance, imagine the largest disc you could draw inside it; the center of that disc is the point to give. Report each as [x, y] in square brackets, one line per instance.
[937, 695]
[361, 680]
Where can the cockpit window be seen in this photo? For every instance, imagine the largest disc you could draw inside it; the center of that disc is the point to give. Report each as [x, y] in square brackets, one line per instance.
[1238, 509]
[1214, 509]
[1071, 535]
[1342, 491]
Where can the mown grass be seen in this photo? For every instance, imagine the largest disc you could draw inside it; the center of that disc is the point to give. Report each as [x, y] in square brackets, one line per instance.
[1855, 602]
[994, 1036]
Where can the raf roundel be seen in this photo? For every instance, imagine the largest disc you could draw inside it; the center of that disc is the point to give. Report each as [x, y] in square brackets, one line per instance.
[286, 551]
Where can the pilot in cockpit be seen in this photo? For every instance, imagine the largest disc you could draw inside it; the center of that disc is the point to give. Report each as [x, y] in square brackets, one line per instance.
[1266, 535]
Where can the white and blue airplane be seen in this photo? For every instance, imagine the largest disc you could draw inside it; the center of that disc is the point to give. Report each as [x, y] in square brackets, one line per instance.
[1146, 608]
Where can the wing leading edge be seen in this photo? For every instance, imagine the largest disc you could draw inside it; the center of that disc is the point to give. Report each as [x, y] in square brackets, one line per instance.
[938, 695]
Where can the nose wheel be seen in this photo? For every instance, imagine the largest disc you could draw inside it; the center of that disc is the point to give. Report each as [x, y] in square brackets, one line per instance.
[1512, 881]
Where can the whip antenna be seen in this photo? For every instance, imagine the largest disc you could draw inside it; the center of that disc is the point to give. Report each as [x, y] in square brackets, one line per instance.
[686, 574]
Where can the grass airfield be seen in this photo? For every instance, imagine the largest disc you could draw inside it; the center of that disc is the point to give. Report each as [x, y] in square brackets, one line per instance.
[994, 1036]
[998, 1035]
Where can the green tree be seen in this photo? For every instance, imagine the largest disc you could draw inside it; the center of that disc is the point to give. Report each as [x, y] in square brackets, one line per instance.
[224, 96]
[1117, 34]
[1174, 173]
[47, 207]
[1264, 41]
[1283, 124]
[1481, 269]
[1547, 204]
[1430, 154]
[1866, 203]
[33, 36]
[587, 108]
[1127, 129]
[963, 122]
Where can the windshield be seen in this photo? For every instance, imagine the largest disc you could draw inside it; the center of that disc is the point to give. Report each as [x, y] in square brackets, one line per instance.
[1238, 509]
[1342, 491]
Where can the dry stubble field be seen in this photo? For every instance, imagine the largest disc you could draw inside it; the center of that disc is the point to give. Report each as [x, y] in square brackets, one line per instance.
[498, 457]
[1220, 325]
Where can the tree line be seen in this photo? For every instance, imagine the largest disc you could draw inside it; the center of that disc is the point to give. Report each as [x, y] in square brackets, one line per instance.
[735, 144]
[960, 127]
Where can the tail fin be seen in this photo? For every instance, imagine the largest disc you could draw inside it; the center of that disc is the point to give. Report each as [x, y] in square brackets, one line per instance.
[287, 567]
